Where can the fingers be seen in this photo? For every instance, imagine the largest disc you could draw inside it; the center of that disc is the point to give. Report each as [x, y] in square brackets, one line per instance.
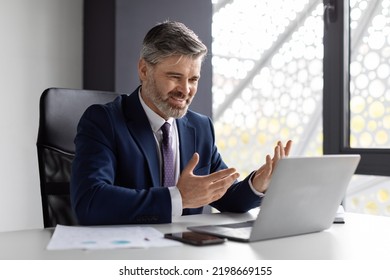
[263, 175]
[277, 151]
[222, 174]
[224, 182]
[277, 154]
[265, 169]
[218, 183]
[268, 164]
[218, 188]
[280, 151]
[287, 149]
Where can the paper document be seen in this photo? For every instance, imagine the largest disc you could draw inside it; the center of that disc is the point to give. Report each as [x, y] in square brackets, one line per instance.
[77, 237]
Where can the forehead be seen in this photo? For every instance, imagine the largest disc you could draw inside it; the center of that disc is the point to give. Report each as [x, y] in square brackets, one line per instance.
[181, 64]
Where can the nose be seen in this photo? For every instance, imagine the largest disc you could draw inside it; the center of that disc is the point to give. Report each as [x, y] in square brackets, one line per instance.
[184, 87]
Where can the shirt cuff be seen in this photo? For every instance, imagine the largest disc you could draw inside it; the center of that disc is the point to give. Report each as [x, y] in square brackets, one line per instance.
[260, 194]
[176, 202]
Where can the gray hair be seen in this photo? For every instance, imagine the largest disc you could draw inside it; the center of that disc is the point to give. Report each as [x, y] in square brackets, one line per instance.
[171, 38]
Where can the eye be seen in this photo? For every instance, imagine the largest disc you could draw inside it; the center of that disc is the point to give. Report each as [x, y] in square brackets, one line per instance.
[174, 77]
[194, 79]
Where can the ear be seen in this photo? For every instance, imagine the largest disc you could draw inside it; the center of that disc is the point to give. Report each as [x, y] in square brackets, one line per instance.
[142, 69]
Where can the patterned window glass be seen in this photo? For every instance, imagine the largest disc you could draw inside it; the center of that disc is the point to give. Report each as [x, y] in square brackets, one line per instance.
[267, 78]
[370, 74]
[370, 99]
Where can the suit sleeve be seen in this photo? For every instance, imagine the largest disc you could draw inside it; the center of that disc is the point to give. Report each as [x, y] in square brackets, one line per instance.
[95, 196]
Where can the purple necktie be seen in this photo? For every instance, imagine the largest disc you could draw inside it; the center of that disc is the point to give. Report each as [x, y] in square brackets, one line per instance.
[168, 176]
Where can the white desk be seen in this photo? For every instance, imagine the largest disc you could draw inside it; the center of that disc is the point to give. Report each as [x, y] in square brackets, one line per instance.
[361, 237]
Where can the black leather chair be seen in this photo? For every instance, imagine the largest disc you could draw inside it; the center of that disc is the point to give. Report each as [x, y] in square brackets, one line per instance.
[59, 113]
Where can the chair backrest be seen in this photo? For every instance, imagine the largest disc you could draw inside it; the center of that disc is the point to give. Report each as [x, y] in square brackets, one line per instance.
[59, 113]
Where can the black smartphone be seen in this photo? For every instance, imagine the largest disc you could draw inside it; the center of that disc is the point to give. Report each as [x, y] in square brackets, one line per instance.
[194, 238]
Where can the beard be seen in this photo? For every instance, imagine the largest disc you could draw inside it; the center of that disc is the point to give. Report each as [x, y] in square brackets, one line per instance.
[162, 103]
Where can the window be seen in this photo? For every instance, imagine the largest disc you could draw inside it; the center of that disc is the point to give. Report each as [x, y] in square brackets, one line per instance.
[370, 74]
[357, 96]
[279, 73]
[357, 82]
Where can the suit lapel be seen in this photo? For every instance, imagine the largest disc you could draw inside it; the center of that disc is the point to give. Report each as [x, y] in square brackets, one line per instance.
[187, 141]
[139, 128]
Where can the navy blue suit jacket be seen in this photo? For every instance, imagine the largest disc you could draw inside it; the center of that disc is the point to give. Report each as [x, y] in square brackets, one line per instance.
[115, 175]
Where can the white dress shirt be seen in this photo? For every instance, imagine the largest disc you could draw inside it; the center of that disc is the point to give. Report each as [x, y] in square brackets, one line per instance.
[156, 122]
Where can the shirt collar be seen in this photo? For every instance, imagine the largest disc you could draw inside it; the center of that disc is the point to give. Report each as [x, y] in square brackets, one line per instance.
[154, 119]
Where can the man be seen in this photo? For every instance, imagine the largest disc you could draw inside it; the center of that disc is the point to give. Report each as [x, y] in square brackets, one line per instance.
[119, 171]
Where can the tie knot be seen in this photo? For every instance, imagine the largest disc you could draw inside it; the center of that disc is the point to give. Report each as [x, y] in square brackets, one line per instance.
[166, 128]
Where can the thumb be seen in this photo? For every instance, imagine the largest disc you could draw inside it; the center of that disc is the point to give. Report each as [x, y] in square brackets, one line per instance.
[191, 164]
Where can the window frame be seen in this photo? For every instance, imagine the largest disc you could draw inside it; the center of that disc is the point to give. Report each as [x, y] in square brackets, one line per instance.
[336, 111]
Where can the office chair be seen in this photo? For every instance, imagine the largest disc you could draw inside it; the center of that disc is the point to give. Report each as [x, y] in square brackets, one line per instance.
[59, 113]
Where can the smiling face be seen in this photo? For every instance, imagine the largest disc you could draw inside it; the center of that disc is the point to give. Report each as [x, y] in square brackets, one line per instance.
[169, 86]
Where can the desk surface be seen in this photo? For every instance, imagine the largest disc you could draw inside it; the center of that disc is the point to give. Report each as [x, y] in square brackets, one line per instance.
[361, 237]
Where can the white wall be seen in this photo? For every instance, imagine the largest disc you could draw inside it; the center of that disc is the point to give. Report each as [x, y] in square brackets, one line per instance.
[40, 47]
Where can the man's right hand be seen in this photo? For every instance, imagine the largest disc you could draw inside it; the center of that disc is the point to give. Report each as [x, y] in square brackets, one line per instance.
[197, 191]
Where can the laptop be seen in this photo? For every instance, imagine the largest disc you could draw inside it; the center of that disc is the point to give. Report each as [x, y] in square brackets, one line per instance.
[303, 197]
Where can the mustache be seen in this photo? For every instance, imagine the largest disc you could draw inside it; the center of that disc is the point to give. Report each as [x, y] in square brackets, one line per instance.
[178, 94]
